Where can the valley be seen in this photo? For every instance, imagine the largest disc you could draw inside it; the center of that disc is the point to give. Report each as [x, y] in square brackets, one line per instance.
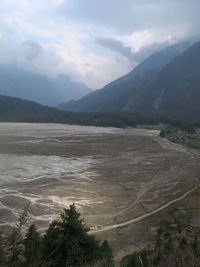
[114, 176]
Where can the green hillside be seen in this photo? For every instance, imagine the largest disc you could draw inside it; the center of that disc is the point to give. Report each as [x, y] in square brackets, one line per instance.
[19, 110]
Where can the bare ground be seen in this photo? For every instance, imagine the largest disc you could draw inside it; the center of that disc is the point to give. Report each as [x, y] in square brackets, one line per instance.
[114, 176]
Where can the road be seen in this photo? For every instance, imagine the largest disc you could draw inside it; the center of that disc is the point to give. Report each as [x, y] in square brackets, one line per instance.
[144, 216]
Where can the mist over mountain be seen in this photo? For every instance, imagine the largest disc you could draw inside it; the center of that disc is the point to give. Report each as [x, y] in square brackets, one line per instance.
[115, 96]
[17, 82]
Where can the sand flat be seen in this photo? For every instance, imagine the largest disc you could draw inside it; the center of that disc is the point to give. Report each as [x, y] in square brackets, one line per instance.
[113, 175]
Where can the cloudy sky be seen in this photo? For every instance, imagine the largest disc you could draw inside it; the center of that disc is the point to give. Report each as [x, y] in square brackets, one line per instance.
[93, 41]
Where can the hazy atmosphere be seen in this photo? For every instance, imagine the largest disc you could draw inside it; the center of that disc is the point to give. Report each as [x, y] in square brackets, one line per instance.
[94, 42]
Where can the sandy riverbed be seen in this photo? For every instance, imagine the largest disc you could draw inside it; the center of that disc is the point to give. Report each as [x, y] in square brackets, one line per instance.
[113, 175]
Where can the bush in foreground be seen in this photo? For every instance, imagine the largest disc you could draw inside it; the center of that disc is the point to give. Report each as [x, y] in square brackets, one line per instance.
[65, 243]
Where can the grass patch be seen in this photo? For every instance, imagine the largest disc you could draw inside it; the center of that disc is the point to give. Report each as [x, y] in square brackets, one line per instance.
[159, 127]
[130, 261]
[175, 221]
[194, 143]
[187, 217]
[168, 228]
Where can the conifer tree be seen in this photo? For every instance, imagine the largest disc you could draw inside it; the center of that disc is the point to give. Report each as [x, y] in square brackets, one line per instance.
[33, 246]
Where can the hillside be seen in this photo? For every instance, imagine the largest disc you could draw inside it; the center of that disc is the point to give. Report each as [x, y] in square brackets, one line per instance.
[114, 96]
[17, 82]
[174, 91]
[19, 110]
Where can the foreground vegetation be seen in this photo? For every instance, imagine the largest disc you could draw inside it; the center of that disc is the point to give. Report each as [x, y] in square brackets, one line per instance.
[65, 243]
[170, 249]
[175, 244]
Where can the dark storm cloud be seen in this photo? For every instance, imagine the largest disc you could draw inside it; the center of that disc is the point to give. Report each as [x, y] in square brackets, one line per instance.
[126, 51]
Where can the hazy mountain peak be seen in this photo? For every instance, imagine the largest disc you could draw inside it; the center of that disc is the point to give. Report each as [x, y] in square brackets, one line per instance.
[17, 82]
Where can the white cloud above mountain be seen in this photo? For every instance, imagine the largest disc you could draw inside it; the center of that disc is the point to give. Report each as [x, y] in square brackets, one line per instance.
[92, 41]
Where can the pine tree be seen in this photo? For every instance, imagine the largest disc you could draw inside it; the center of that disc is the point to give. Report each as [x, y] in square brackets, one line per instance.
[33, 246]
[67, 242]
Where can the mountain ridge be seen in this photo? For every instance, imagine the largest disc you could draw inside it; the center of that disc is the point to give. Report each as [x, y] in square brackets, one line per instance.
[174, 90]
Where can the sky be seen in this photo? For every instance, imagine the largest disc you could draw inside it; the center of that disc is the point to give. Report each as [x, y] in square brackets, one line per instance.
[92, 41]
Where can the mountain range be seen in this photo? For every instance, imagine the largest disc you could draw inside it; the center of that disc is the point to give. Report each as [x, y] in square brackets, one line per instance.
[17, 82]
[166, 83]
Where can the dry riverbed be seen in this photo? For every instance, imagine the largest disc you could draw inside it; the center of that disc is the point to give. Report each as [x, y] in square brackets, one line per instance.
[112, 175]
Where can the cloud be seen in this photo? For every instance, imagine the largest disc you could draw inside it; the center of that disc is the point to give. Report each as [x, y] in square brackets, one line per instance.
[32, 49]
[57, 36]
[176, 17]
[126, 51]
[116, 46]
[148, 50]
[33, 56]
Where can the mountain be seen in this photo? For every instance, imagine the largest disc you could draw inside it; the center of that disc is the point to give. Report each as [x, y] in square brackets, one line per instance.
[18, 110]
[174, 91]
[114, 96]
[31, 86]
[66, 88]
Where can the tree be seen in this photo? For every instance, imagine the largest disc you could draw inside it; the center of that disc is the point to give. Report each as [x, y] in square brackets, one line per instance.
[67, 242]
[33, 246]
[15, 239]
[107, 256]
